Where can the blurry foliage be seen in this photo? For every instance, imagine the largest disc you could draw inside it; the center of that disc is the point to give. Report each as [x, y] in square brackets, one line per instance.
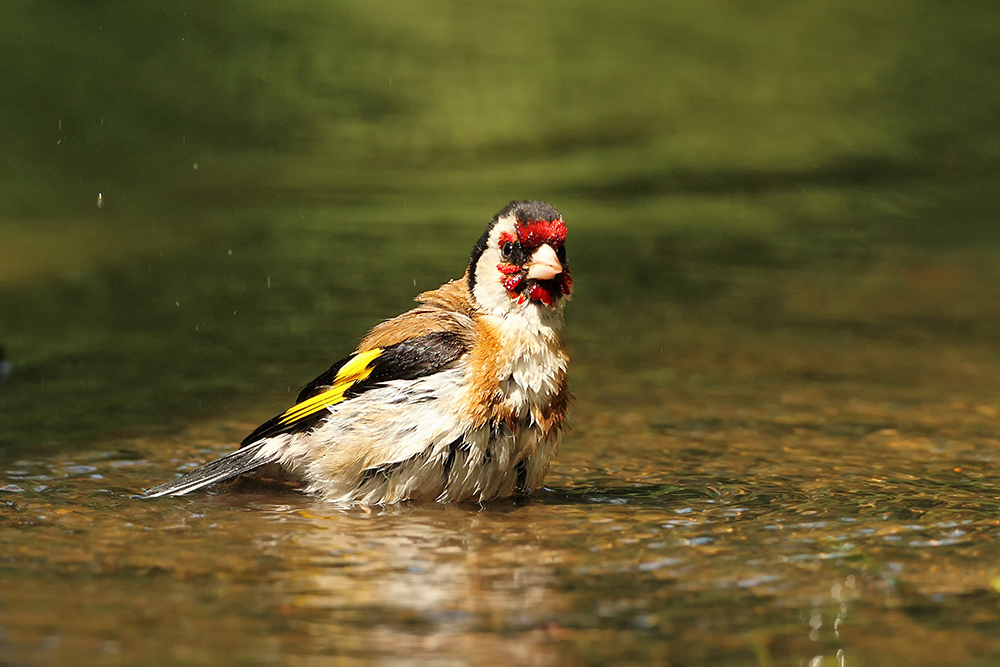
[643, 97]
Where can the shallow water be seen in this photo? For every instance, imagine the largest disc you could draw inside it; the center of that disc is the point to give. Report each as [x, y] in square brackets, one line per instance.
[763, 468]
[812, 525]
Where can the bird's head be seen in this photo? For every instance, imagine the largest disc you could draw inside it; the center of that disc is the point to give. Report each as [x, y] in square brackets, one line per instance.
[519, 263]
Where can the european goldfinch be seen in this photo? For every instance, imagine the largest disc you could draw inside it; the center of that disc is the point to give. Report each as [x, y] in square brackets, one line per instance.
[461, 398]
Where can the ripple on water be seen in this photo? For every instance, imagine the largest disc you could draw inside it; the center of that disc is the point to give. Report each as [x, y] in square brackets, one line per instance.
[698, 542]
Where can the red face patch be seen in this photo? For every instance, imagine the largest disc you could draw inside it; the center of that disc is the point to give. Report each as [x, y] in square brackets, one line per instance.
[533, 233]
[564, 281]
[539, 293]
[506, 237]
[512, 284]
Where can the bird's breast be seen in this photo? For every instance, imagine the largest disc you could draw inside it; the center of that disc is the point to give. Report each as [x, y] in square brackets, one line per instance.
[515, 374]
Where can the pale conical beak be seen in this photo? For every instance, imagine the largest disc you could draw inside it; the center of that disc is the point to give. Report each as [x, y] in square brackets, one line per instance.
[544, 264]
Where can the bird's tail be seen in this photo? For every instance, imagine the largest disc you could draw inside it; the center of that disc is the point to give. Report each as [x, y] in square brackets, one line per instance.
[241, 461]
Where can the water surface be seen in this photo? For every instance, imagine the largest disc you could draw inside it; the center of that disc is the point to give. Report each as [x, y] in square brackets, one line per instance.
[763, 468]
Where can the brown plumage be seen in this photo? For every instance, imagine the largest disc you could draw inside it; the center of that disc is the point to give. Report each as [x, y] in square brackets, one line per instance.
[462, 398]
[447, 308]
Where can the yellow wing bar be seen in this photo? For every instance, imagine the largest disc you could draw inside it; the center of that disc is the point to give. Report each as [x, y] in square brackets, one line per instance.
[354, 371]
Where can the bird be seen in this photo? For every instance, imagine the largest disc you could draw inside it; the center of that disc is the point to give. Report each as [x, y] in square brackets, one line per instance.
[461, 399]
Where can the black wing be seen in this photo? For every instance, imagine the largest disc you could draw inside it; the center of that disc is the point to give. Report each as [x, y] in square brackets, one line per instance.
[353, 376]
[344, 380]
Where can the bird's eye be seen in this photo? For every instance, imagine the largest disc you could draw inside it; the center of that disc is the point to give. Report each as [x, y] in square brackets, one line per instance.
[507, 249]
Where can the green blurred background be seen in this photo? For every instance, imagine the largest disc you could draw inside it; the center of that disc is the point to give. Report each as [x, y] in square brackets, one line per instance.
[637, 98]
[276, 177]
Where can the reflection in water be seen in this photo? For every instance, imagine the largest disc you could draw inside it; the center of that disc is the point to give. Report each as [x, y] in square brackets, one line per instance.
[634, 550]
[429, 582]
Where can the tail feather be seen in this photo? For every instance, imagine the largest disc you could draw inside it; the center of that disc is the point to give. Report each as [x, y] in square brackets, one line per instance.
[241, 461]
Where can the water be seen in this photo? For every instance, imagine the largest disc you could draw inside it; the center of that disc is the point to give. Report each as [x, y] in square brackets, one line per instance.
[783, 333]
[755, 474]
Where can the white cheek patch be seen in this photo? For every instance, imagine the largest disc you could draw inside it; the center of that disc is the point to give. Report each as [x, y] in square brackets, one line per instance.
[493, 298]
[489, 293]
